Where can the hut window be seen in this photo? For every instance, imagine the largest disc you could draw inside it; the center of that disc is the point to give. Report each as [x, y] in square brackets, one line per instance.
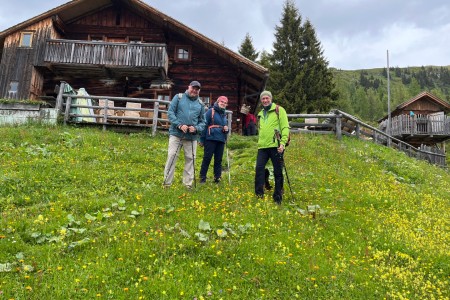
[163, 97]
[135, 40]
[183, 53]
[25, 39]
[94, 38]
[13, 88]
[206, 101]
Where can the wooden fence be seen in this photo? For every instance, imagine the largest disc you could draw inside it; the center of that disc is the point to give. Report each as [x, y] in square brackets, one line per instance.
[340, 123]
[103, 111]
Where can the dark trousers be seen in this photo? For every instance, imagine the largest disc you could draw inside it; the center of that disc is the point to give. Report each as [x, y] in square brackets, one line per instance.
[277, 162]
[212, 148]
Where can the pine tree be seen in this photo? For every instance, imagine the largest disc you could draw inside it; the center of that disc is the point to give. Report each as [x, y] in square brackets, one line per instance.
[286, 74]
[247, 49]
[299, 76]
[264, 59]
[318, 79]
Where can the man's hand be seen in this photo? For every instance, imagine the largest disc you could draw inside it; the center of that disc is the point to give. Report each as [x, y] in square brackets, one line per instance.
[280, 148]
[225, 128]
[192, 129]
[184, 128]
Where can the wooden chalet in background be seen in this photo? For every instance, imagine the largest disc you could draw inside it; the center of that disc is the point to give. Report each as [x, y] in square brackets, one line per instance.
[422, 120]
[121, 48]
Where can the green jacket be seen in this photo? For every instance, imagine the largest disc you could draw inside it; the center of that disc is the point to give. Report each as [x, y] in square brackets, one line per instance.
[268, 123]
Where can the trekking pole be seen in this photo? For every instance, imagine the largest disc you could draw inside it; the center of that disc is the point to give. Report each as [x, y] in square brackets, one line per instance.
[228, 162]
[173, 159]
[278, 137]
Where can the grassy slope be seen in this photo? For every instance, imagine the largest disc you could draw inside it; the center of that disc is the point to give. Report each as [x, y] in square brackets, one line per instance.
[83, 216]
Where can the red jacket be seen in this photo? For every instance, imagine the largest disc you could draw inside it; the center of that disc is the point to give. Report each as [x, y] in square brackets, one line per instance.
[249, 117]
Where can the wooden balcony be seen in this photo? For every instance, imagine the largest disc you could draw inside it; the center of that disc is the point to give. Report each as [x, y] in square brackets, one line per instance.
[134, 57]
[427, 129]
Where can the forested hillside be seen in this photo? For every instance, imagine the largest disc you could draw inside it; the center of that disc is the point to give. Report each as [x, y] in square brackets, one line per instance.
[364, 93]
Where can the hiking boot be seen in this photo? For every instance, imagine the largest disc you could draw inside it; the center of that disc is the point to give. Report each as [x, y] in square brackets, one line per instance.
[217, 180]
[202, 180]
[277, 199]
[166, 186]
[260, 196]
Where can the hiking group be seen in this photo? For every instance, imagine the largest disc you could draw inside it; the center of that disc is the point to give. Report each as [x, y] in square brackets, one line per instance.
[192, 126]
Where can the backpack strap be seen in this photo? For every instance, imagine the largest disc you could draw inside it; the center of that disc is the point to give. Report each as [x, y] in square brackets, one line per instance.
[212, 119]
[277, 111]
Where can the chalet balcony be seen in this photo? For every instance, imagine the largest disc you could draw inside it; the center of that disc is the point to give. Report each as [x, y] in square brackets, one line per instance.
[137, 58]
[420, 128]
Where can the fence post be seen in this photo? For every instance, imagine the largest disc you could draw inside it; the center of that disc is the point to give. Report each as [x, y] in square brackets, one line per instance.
[66, 113]
[155, 118]
[338, 126]
[59, 98]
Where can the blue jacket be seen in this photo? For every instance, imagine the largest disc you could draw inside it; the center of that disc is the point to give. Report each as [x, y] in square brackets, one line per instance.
[186, 111]
[214, 129]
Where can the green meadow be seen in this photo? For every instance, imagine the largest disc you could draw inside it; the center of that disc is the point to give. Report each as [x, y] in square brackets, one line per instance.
[83, 216]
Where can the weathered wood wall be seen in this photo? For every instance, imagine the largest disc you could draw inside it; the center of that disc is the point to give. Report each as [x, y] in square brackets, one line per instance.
[18, 63]
[117, 24]
[421, 106]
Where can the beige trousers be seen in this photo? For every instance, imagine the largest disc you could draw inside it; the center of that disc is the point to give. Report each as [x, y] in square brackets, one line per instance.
[190, 149]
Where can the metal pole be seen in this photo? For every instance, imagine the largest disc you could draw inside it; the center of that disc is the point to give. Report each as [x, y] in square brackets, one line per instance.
[389, 100]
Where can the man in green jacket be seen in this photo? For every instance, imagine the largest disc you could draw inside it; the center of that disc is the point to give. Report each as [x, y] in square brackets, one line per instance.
[271, 119]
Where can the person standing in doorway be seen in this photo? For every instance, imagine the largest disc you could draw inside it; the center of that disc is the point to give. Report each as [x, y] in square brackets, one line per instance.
[187, 120]
[214, 138]
[250, 124]
[271, 118]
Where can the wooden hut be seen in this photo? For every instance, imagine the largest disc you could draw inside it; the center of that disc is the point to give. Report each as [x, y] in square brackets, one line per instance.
[121, 48]
[422, 120]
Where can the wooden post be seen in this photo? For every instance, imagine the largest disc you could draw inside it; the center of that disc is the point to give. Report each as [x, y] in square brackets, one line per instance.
[155, 118]
[105, 114]
[338, 126]
[67, 111]
[59, 98]
[229, 118]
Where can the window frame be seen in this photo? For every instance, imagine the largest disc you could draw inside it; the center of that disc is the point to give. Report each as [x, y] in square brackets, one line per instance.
[13, 89]
[96, 38]
[22, 39]
[186, 48]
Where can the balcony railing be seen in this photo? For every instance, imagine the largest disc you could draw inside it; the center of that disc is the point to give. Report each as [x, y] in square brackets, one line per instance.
[108, 54]
[419, 125]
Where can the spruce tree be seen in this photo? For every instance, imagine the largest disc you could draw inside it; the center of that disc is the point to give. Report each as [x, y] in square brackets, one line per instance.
[299, 76]
[264, 59]
[318, 79]
[247, 49]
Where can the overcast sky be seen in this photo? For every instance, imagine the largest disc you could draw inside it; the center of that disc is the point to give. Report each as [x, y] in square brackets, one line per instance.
[355, 34]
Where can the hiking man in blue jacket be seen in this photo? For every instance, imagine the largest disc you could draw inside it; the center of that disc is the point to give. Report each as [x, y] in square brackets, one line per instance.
[187, 117]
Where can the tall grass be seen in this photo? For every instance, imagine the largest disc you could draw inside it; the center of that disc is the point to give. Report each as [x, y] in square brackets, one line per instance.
[83, 216]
